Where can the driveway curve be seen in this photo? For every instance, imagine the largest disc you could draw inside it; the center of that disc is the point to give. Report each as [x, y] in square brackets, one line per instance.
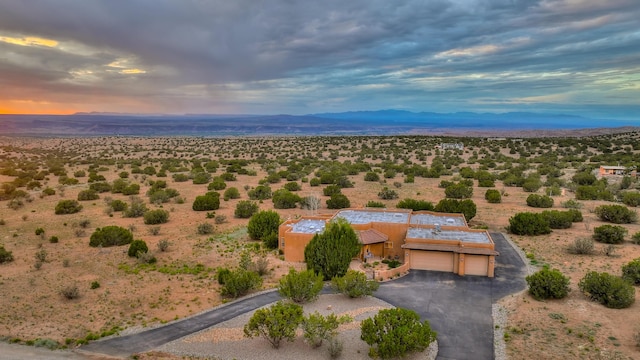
[457, 307]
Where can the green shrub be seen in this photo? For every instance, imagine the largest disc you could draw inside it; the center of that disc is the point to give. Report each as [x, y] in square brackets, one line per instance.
[539, 201]
[572, 204]
[292, 186]
[466, 207]
[581, 246]
[375, 204]
[329, 253]
[209, 201]
[245, 209]
[338, 201]
[131, 189]
[231, 193]
[371, 176]
[239, 282]
[636, 238]
[285, 199]
[39, 231]
[317, 328]
[300, 287]
[68, 207]
[631, 199]
[261, 192]
[205, 229]
[137, 247]
[415, 205]
[526, 223]
[270, 241]
[158, 216]
[393, 333]
[587, 192]
[70, 292]
[458, 191]
[137, 208]
[548, 284]
[493, 196]
[217, 184]
[263, 223]
[100, 187]
[584, 178]
[5, 256]
[576, 215]
[221, 275]
[354, 284]
[631, 272]
[558, 219]
[118, 205]
[48, 191]
[54, 239]
[331, 190]
[617, 214]
[610, 291]
[110, 236]
[201, 178]
[275, 323]
[609, 234]
[387, 194]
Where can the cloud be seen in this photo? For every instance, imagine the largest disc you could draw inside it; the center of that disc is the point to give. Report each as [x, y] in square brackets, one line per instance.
[296, 56]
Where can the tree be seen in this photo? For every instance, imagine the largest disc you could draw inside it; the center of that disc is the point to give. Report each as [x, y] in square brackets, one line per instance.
[110, 236]
[415, 205]
[610, 291]
[558, 219]
[209, 201]
[331, 190]
[609, 234]
[631, 272]
[526, 223]
[137, 247]
[458, 191]
[263, 223]
[393, 333]
[329, 253]
[300, 287]
[466, 207]
[584, 178]
[617, 214]
[67, 207]
[275, 323]
[245, 209]
[261, 192]
[354, 284]
[493, 196]
[338, 201]
[88, 195]
[158, 216]
[548, 284]
[631, 198]
[285, 199]
[539, 201]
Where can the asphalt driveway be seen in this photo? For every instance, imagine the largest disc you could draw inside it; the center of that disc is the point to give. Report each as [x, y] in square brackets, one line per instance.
[459, 307]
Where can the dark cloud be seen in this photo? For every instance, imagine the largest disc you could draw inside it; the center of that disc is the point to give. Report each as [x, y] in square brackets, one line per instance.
[299, 56]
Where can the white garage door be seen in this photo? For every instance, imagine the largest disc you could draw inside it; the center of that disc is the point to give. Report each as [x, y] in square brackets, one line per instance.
[476, 265]
[432, 260]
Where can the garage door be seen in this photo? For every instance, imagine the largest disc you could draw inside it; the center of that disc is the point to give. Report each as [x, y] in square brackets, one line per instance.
[432, 260]
[476, 264]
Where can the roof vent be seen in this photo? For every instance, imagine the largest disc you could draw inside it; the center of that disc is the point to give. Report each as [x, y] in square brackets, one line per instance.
[437, 228]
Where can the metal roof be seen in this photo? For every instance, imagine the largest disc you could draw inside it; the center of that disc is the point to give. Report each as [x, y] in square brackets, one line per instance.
[308, 226]
[434, 219]
[453, 235]
[369, 216]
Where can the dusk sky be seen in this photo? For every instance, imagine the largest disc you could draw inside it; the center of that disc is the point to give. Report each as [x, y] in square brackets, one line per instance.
[577, 57]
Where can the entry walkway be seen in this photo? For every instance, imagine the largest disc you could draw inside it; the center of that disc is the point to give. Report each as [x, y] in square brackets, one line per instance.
[457, 307]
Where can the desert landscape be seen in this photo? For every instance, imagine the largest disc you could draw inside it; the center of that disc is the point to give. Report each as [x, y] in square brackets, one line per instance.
[60, 292]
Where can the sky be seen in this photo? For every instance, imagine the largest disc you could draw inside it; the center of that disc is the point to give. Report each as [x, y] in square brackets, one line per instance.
[579, 57]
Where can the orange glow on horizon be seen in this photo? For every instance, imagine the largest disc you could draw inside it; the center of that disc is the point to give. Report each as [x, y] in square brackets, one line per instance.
[33, 110]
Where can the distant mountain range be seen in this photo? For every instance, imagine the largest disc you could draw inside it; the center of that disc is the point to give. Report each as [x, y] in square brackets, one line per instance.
[383, 122]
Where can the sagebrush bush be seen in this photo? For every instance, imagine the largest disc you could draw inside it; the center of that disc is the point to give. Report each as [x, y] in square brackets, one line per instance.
[581, 246]
[631, 272]
[110, 236]
[548, 284]
[609, 234]
[70, 292]
[609, 290]
[205, 229]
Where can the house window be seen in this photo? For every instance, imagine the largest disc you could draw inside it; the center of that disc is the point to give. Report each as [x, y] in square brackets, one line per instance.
[388, 245]
[282, 242]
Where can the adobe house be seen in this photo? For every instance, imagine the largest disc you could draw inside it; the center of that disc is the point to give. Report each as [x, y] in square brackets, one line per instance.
[427, 240]
[611, 170]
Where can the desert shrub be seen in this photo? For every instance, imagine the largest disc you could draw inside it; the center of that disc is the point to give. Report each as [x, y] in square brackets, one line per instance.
[635, 238]
[354, 284]
[631, 198]
[466, 207]
[387, 194]
[617, 214]
[493, 196]
[110, 236]
[458, 191]
[609, 290]
[631, 272]
[48, 191]
[338, 201]
[371, 176]
[581, 246]
[588, 192]
[220, 219]
[5, 256]
[292, 186]
[131, 189]
[558, 219]
[262, 224]
[221, 275]
[54, 239]
[314, 181]
[245, 209]
[41, 255]
[539, 201]
[532, 184]
[163, 245]
[67, 207]
[205, 229]
[180, 177]
[137, 247]
[393, 333]
[572, 204]
[375, 204]
[158, 216]
[70, 292]
[39, 231]
[609, 234]
[415, 205]
[331, 190]
[239, 282]
[227, 176]
[275, 323]
[94, 285]
[576, 215]
[270, 241]
[261, 192]
[209, 201]
[118, 205]
[285, 199]
[329, 253]
[136, 208]
[231, 193]
[584, 178]
[548, 284]
[526, 223]
[301, 287]
[217, 184]
[316, 327]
